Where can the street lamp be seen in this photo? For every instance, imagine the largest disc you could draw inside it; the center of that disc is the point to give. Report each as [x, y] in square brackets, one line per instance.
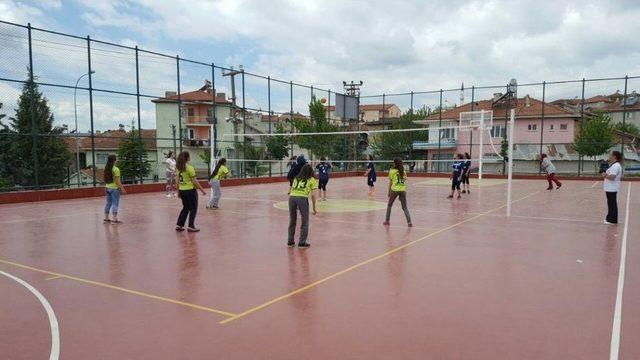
[75, 110]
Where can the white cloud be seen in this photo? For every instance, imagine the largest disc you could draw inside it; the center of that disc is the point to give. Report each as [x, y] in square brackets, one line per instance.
[403, 45]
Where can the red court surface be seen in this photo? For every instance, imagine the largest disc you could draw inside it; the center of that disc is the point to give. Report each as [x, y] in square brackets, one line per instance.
[465, 283]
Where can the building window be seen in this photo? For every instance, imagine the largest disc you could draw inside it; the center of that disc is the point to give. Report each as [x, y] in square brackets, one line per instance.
[564, 127]
[101, 158]
[209, 112]
[499, 131]
[191, 133]
[447, 133]
[628, 115]
[532, 127]
[190, 112]
[551, 127]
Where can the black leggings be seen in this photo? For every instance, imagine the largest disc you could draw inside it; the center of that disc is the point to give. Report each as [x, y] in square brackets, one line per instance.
[612, 204]
[322, 184]
[189, 207]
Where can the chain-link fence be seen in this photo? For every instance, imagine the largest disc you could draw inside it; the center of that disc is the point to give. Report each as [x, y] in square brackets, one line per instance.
[68, 102]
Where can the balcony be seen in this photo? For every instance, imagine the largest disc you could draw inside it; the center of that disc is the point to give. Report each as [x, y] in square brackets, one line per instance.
[198, 120]
[195, 142]
[430, 145]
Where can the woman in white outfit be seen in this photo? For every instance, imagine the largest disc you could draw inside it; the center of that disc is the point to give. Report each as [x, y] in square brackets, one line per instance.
[612, 186]
[170, 161]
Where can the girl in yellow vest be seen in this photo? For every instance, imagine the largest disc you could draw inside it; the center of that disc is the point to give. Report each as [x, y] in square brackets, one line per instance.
[398, 188]
[302, 185]
[187, 184]
[113, 188]
[219, 172]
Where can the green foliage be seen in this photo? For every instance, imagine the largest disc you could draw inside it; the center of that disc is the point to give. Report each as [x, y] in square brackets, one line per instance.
[52, 156]
[319, 145]
[627, 128]
[252, 152]
[278, 146]
[394, 144]
[504, 148]
[595, 136]
[132, 157]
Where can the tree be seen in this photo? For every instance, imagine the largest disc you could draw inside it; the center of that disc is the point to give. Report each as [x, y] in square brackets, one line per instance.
[627, 128]
[388, 145]
[595, 136]
[5, 139]
[278, 146]
[318, 145]
[51, 157]
[132, 157]
[253, 153]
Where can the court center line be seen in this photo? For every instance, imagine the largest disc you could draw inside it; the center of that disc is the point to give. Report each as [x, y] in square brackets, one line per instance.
[617, 313]
[118, 288]
[53, 321]
[365, 262]
[550, 219]
[53, 277]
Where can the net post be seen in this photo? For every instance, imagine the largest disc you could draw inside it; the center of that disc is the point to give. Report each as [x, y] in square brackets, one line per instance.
[510, 164]
[481, 144]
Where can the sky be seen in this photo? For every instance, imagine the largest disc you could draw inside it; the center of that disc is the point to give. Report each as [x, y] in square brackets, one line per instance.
[393, 47]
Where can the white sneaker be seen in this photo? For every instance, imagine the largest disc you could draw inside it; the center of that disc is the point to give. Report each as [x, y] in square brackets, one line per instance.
[168, 195]
[609, 223]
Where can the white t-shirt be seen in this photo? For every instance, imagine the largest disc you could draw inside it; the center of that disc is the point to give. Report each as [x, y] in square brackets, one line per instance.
[548, 166]
[613, 185]
[171, 165]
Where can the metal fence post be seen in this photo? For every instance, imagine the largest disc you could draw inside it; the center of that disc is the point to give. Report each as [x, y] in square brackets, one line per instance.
[544, 88]
[581, 123]
[439, 131]
[291, 113]
[269, 113]
[624, 115]
[138, 106]
[93, 133]
[411, 102]
[244, 128]
[34, 124]
[179, 101]
[213, 131]
[473, 106]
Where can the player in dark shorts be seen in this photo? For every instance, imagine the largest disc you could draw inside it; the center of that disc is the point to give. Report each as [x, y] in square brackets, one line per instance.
[456, 176]
[324, 169]
[371, 176]
[466, 172]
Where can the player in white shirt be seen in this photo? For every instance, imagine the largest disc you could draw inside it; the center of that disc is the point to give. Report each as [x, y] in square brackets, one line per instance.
[170, 161]
[612, 186]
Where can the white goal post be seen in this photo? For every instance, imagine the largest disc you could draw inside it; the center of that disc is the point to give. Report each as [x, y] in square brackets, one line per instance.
[481, 120]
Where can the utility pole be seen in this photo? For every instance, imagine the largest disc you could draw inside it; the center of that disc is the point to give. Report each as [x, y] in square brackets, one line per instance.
[234, 108]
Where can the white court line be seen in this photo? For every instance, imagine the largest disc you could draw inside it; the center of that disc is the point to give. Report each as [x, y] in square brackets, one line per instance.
[53, 321]
[594, 184]
[617, 314]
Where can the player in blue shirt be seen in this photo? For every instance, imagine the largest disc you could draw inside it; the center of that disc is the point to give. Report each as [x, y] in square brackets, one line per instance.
[465, 174]
[456, 176]
[371, 176]
[324, 168]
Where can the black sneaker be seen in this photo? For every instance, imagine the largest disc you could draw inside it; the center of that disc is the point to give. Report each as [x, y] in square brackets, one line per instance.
[464, 192]
[179, 228]
[291, 244]
[305, 245]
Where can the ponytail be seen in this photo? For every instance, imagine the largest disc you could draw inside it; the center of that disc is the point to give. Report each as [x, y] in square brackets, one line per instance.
[398, 165]
[220, 162]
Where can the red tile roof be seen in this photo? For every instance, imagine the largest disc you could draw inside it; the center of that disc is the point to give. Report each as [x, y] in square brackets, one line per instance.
[367, 107]
[109, 140]
[522, 110]
[198, 95]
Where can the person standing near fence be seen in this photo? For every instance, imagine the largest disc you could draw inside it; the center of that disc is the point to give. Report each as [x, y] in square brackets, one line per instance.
[323, 176]
[371, 176]
[550, 169]
[612, 178]
[113, 188]
[171, 174]
[187, 184]
[466, 172]
[398, 189]
[219, 172]
[303, 185]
